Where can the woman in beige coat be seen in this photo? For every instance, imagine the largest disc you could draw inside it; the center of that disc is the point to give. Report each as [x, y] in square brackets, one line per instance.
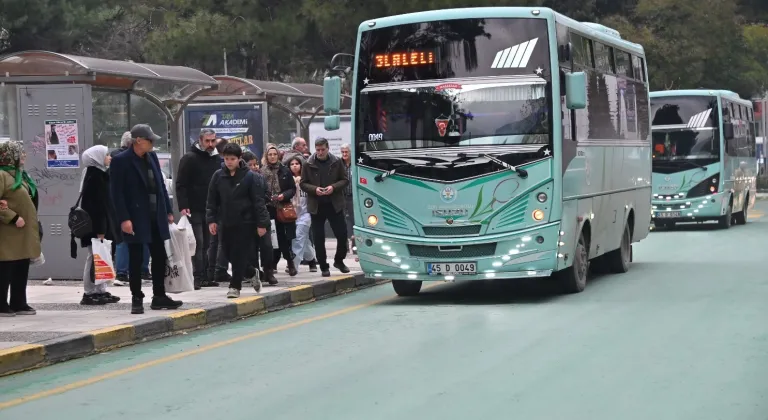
[19, 229]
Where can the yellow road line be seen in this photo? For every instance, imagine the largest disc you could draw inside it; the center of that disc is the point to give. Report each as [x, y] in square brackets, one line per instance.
[755, 215]
[90, 381]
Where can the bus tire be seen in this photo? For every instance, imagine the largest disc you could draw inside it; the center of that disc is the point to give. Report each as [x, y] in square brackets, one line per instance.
[726, 219]
[574, 278]
[741, 217]
[618, 260]
[406, 287]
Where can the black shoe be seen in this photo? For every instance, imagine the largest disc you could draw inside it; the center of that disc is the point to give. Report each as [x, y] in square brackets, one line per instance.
[341, 267]
[164, 302]
[92, 300]
[24, 310]
[122, 277]
[110, 298]
[6, 312]
[270, 275]
[146, 276]
[313, 266]
[209, 283]
[326, 272]
[292, 269]
[137, 305]
[198, 284]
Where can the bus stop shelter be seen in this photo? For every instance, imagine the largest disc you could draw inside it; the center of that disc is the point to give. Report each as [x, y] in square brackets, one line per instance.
[289, 108]
[42, 91]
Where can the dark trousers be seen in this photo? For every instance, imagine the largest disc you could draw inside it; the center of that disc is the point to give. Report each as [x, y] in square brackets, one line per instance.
[262, 247]
[325, 211]
[14, 277]
[203, 240]
[237, 242]
[157, 266]
[217, 260]
[284, 238]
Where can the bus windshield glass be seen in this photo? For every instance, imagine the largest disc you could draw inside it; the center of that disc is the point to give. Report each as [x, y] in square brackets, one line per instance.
[685, 129]
[494, 112]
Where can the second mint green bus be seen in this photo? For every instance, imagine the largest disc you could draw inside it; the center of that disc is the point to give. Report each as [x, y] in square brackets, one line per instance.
[704, 157]
[496, 143]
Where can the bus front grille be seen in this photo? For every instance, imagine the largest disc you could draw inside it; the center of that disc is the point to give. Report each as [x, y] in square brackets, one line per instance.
[452, 251]
[459, 230]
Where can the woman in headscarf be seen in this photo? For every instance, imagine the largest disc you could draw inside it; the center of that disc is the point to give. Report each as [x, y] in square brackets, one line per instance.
[349, 212]
[18, 228]
[96, 201]
[282, 189]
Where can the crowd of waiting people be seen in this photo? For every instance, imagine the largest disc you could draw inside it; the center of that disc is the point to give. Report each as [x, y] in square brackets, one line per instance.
[231, 197]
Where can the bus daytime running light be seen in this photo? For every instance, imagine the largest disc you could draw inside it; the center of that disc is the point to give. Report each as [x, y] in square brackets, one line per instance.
[373, 220]
[538, 215]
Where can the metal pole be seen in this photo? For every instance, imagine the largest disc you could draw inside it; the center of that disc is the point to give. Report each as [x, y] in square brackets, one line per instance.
[225, 61]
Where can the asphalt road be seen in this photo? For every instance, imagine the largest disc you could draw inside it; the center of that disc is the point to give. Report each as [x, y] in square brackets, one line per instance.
[683, 335]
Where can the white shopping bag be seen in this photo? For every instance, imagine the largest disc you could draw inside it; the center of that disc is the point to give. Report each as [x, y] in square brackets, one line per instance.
[274, 236]
[102, 261]
[178, 267]
[186, 227]
[36, 262]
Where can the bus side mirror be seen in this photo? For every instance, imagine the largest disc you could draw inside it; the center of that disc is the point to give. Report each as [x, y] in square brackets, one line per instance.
[332, 122]
[332, 95]
[576, 90]
[728, 131]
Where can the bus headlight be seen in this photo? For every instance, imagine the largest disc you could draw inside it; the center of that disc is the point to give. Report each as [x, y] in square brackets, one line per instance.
[538, 215]
[373, 220]
[542, 197]
[368, 203]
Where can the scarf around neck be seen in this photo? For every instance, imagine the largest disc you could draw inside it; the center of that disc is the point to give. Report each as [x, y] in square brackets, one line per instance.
[10, 159]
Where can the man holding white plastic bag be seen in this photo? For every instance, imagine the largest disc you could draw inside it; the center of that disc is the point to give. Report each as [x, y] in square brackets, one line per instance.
[236, 208]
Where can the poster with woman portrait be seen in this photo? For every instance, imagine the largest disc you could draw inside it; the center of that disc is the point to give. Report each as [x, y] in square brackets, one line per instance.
[62, 144]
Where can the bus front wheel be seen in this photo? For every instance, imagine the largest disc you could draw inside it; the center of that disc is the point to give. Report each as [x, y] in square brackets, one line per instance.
[727, 219]
[574, 278]
[406, 287]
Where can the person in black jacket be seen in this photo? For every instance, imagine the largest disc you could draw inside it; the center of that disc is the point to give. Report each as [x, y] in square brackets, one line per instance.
[263, 244]
[282, 189]
[96, 201]
[196, 169]
[234, 211]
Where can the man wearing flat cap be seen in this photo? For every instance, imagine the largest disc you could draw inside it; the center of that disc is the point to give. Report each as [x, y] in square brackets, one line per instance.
[144, 213]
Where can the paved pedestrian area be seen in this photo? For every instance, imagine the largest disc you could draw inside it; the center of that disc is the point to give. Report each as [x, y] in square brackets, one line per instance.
[59, 312]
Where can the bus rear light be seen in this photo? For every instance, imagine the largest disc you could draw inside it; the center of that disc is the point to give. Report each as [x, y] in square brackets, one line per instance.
[538, 215]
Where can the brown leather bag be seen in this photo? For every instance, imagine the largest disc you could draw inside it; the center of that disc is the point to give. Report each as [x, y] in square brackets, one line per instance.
[286, 213]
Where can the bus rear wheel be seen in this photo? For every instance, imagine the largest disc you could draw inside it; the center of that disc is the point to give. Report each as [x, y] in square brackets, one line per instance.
[618, 260]
[574, 278]
[406, 287]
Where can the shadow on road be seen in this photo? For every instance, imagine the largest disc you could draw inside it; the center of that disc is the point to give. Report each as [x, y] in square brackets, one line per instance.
[493, 292]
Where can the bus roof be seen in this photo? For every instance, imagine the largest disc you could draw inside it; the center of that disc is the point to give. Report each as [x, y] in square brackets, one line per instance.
[727, 94]
[598, 32]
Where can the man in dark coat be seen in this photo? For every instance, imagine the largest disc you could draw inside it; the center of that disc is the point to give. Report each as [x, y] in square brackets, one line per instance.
[236, 209]
[196, 169]
[324, 178]
[143, 211]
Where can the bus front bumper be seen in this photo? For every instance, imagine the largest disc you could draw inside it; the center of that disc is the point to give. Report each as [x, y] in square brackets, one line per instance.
[709, 207]
[524, 253]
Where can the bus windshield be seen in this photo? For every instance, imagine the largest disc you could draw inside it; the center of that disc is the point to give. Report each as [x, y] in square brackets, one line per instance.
[685, 132]
[452, 114]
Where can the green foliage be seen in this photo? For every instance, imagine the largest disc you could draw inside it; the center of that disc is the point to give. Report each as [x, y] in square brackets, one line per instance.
[689, 43]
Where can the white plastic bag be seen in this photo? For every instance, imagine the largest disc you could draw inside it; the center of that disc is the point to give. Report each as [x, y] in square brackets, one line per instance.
[186, 227]
[38, 261]
[102, 261]
[178, 267]
[274, 236]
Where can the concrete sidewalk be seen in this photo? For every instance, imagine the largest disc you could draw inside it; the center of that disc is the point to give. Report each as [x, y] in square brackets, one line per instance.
[61, 320]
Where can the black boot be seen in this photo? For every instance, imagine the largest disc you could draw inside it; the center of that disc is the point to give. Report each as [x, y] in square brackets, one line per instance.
[137, 305]
[164, 302]
[292, 268]
[270, 275]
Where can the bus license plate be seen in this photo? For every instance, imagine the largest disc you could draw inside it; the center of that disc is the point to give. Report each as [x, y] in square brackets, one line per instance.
[667, 214]
[451, 269]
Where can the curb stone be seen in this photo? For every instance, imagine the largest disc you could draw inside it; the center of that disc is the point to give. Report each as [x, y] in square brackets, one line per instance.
[72, 346]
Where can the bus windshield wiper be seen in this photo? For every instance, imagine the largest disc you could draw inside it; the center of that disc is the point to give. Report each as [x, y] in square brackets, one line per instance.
[520, 172]
[380, 177]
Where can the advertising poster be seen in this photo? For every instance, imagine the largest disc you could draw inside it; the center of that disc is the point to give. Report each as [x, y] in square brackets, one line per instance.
[335, 138]
[241, 124]
[62, 144]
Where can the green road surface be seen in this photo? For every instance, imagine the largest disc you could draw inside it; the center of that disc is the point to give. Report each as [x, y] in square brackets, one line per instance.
[683, 335]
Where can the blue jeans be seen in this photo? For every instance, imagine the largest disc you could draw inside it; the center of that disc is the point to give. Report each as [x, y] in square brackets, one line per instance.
[121, 259]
